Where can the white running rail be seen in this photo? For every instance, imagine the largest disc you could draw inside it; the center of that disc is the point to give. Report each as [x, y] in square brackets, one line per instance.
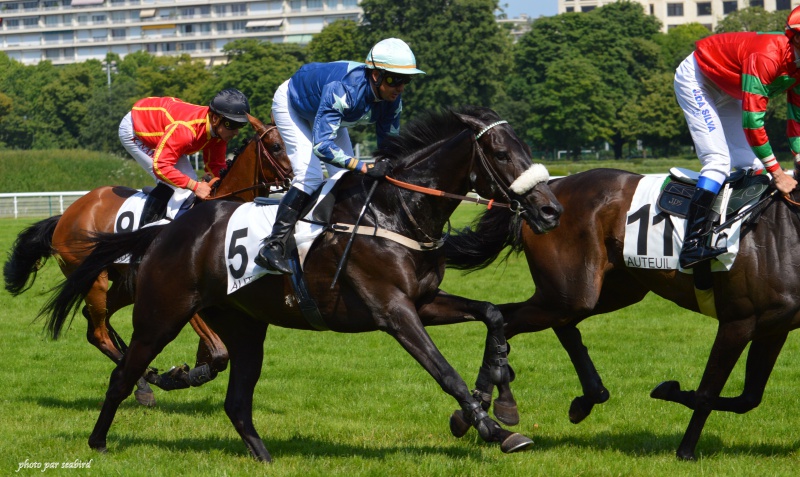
[36, 204]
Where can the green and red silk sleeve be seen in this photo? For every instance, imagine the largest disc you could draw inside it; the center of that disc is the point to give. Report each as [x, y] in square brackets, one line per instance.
[759, 78]
[793, 119]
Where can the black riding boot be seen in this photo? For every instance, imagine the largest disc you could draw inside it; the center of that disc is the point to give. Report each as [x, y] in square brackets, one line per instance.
[272, 255]
[155, 206]
[699, 221]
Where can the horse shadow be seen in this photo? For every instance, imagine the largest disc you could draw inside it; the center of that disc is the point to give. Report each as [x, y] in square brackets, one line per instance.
[202, 406]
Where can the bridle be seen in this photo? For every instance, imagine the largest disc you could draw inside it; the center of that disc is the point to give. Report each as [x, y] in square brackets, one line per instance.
[261, 152]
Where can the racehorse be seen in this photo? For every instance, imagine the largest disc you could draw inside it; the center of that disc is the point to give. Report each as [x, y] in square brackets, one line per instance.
[260, 165]
[385, 285]
[579, 271]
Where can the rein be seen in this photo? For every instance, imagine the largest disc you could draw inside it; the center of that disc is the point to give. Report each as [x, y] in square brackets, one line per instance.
[261, 151]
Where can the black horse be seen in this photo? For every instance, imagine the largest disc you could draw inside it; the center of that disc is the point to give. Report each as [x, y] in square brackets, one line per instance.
[579, 271]
[384, 286]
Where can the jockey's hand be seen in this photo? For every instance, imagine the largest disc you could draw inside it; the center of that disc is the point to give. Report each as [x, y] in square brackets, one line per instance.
[203, 190]
[783, 181]
[379, 170]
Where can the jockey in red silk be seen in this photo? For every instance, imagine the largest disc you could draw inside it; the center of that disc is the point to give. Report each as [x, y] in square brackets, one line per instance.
[724, 87]
[160, 133]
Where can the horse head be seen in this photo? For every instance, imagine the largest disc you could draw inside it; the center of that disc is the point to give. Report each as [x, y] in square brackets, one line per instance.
[261, 164]
[502, 170]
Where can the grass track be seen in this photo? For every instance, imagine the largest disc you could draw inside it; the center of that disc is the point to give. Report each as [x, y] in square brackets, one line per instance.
[341, 405]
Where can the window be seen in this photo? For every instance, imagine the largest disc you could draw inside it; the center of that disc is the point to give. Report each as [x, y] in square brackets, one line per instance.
[187, 12]
[674, 9]
[30, 5]
[570, 9]
[219, 9]
[12, 6]
[205, 46]
[205, 11]
[49, 4]
[757, 3]
[588, 9]
[350, 3]
[238, 26]
[729, 6]
[52, 20]
[652, 9]
[314, 4]
[189, 28]
[703, 8]
[119, 17]
[239, 9]
[30, 21]
[12, 23]
[331, 4]
[295, 4]
[170, 46]
[783, 4]
[118, 33]
[192, 46]
[98, 17]
[222, 26]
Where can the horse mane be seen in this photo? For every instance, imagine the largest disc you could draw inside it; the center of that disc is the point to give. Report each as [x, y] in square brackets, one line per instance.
[430, 127]
[236, 153]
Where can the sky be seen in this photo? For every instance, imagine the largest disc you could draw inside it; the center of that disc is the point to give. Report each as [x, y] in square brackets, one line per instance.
[533, 8]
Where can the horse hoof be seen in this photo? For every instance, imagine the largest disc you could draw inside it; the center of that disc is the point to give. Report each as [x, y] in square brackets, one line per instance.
[577, 411]
[664, 390]
[458, 425]
[98, 447]
[506, 412]
[686, 456]
[145, 398]
[515, 443]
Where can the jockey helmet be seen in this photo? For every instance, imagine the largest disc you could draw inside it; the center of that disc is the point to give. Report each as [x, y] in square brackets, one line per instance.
[393, 54]
[231, 104]
[793, 23]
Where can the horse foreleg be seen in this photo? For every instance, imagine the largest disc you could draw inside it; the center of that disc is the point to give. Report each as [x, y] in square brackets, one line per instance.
[245, 339]
[96, 312]
[593, 390]
[404, 325]
[494, 370]
[728, 345]
[211, 351]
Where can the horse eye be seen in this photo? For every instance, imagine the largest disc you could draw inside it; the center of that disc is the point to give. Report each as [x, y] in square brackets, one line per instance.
[501, 156]
[276, 147]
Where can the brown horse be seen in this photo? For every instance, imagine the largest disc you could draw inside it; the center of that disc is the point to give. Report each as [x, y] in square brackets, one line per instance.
[385, 285]
[262, 164]
[579, 271]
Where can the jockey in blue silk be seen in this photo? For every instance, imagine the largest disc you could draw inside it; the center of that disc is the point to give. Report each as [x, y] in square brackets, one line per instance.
[313, 111]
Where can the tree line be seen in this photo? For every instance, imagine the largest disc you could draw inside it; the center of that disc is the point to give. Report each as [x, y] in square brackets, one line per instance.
[574, 81]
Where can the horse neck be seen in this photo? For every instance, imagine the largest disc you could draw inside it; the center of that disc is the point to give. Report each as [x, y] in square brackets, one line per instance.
[444, 166]
[241, 176]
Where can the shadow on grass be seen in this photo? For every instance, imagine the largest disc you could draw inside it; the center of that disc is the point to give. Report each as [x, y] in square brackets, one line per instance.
[280, 448]
[201, 406]
[641, 444]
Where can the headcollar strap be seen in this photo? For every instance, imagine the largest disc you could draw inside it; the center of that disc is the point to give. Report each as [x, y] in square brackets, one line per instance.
[490, 127]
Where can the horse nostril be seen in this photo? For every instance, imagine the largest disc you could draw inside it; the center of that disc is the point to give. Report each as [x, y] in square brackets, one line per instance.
[551, 212]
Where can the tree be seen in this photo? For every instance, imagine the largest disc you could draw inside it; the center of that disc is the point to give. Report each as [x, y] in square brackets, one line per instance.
[655, 118]
[679, 42]
[752, 19]
[341, 40]
[456, 42]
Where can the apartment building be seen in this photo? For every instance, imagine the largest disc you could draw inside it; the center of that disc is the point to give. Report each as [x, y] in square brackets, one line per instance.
[68, 31]
[672, 13]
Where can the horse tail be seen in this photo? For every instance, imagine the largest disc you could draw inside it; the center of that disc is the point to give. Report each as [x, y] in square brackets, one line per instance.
[29, 253]
[478, 245]
[107, 249]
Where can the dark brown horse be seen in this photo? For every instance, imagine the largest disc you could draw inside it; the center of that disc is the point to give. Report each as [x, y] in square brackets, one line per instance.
[384, 286]
[262, 164]
[579, 271]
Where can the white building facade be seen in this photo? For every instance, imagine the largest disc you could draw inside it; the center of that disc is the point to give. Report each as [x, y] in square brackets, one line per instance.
[69, 31]
[672, 13]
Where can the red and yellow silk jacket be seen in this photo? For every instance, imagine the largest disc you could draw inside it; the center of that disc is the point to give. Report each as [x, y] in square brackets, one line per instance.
[172, 128]
[754, 67]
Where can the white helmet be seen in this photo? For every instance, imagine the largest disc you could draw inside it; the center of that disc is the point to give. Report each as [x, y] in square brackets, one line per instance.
[392, 54]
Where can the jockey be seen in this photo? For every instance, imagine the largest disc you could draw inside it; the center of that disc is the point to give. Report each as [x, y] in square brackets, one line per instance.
[161, 132]
[723, 88]
[313, 110]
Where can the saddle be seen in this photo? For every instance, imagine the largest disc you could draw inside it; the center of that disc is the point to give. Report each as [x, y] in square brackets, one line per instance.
[743, 188]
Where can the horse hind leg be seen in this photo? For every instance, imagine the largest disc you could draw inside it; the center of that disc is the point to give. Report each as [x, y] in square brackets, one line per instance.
[728, 346]
[593, 390]
[760, 362]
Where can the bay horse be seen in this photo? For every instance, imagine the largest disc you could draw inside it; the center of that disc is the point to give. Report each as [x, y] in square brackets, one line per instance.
[579, 271]
[261, 165]
[384, 285]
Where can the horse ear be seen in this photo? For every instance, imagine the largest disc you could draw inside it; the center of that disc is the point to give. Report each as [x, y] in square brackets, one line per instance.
[470, 121]
[257, 125]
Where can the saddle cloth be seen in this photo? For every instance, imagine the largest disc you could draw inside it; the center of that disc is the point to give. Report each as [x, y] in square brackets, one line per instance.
[250, 224]
[653, 238]
[129, 215]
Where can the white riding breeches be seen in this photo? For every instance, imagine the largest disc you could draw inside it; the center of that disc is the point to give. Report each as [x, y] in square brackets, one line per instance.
[297, 136]
[715, 123]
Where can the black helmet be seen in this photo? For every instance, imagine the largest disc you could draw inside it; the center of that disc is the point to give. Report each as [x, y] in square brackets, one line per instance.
[231, 104]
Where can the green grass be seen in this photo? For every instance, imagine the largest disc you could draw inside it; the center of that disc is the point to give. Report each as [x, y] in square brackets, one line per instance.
[341, 405]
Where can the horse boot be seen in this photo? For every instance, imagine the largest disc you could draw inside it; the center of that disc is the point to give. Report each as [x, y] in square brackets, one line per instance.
[699, 221]
[155, 206]
[272, 255]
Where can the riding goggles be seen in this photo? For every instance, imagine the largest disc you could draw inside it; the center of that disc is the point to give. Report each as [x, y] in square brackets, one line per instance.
[395, 81]
[232, 125]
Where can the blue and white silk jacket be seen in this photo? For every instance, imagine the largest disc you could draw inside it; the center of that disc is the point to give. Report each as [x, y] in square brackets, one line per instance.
[338, 95]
